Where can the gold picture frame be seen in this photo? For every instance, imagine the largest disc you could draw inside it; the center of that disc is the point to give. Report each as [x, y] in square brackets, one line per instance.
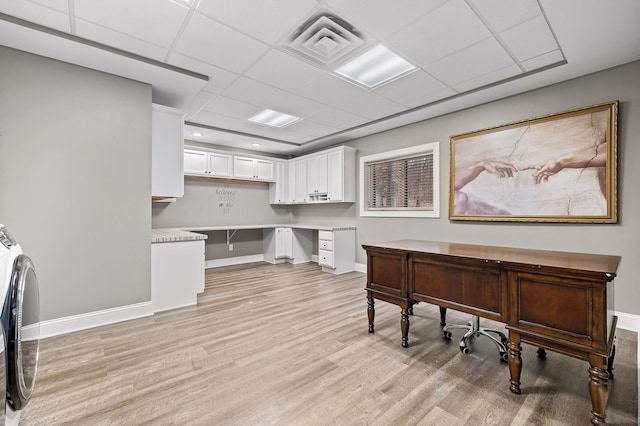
[556, 168]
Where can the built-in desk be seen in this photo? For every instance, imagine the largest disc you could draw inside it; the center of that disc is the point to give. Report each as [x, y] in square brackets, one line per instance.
[554, 300]
[293, 242]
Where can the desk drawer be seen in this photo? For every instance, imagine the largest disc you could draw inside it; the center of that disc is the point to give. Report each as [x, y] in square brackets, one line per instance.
[325, 258]
[325, 235]
[325, 245]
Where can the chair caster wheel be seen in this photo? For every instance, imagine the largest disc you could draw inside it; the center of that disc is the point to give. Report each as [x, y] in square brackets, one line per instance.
[464, 350]
[447, 335]
[504, 356]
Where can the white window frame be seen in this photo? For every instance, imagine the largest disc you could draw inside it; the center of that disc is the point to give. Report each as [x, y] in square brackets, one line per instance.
[434, 148]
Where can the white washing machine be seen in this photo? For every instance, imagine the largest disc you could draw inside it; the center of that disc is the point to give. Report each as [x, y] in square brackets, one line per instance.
[20, 330]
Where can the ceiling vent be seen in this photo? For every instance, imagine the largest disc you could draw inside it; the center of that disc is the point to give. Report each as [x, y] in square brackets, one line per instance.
[324, 40]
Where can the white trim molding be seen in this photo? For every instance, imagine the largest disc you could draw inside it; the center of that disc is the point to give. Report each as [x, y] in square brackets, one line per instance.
[629, 322]
[79, 322]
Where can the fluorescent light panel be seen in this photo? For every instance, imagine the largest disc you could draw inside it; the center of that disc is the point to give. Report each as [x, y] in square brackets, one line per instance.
[273, 118]
[375, 67]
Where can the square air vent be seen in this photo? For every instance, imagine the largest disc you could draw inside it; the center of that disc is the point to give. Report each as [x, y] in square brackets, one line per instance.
[324, 40]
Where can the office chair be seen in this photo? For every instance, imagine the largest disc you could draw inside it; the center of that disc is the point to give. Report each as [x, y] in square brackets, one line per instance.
[474, 330]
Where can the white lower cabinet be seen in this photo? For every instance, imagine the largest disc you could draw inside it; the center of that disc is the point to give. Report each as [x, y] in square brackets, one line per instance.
[337, 251]
[285, 244]
[177, 274]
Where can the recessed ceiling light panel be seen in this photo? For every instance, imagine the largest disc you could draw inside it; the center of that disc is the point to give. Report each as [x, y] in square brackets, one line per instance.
[272, 118]
[375, 67]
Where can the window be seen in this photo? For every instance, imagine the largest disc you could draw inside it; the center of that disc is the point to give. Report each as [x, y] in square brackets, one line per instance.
[401, 183]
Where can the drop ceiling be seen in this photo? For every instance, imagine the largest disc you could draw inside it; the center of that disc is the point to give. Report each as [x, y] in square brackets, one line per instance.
[223, 61]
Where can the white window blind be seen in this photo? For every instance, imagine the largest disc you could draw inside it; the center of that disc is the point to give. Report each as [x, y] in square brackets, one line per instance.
[405, 183]
[401, 183]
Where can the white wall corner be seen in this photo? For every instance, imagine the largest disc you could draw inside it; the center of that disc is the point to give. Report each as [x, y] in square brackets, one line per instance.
[361, 267]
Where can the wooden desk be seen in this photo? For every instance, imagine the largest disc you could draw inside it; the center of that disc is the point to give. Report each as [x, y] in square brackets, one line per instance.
[554, 300]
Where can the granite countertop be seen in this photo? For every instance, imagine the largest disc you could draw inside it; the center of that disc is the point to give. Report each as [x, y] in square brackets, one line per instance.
[172, 235]
[268, 226]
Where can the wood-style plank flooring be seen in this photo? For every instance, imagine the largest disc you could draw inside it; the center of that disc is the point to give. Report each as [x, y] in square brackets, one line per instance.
[288, 345]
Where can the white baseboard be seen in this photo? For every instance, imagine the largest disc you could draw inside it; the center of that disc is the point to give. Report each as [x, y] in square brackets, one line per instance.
[94, 319]
[216, 263]
[629, 322]
[361, 267]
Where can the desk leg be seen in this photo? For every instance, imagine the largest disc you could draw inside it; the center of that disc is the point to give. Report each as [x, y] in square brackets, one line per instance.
[371, 311]
[598, 387]
[404, 326]
[515, 361]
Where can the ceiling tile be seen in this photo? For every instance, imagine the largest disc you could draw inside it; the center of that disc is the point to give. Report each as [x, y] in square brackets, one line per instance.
[218, 45]
[336, 118]
[313, 129]
[543, 60]
[414, 89]
[382, 18]
[489, 78]
[282, 70]
[442, 32]
[266, 20]
[219, 79]
[55, 18]
[122, 41]
[473, 62]
[156, 22]
[334, 91]
[530, 39]
[260, 94]
[197, 103]
[59, 5]
[215, 120]
[504, 14]
[231, 108]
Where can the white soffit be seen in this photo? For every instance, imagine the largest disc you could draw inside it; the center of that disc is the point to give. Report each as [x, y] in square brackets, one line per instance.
[171, 85]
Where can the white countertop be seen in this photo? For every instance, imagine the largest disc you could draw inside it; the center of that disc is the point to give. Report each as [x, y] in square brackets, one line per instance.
[271, 225]
[170, 235]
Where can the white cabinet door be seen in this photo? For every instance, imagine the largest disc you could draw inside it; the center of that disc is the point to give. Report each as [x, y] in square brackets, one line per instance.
[278, 189]
[335, 167]
[280, 243]
[196, 162]
[167, 173]
[244, 168]
[253, 168]
[264, 169]
[301, 182]
[291, 182]
[288, 243]
[317, 175]
[219, 164]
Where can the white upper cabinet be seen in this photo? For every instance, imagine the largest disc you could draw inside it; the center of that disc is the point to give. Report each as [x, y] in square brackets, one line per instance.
[278, 189]
[167, 144]
[317, 177]
[205, 163]
[341, 166]
[327, 176]
[253, 168]
[301, 192]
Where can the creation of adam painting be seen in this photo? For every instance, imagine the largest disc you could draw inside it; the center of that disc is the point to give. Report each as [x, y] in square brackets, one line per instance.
[556, 168]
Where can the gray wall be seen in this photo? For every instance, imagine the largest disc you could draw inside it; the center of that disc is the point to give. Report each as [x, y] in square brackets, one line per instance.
[620, 83]
[75, 183]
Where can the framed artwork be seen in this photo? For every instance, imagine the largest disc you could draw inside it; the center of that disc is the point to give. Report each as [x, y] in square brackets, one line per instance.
[557, 168]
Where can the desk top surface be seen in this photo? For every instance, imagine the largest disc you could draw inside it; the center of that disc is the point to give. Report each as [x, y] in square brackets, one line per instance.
[558, 259]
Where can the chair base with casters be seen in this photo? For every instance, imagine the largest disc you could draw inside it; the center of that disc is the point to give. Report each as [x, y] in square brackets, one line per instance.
[474, 330]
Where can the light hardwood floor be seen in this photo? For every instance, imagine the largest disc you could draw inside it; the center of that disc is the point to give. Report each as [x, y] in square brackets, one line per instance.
[288, 345]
